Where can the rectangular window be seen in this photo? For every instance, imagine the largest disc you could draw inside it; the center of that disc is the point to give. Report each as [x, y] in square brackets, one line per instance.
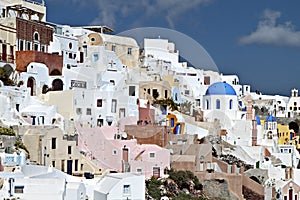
[21, 47]
[53, 163]
[69, 149]
[76, 165]
[139, 170]
[187, 92]
[88, 111]
[152, 155]
[166, 93]
[28, 45]
[132, 91]
[126, 189]
[78, 111]
[19, 189]
[113, 105]
[113, 48]
[122, 112]
[99, 102]
[53, 143]
[43, 48]
[62, 166]
[197, 102]
[36, 47]
[95, 57]
[206, 80]
[129, 51]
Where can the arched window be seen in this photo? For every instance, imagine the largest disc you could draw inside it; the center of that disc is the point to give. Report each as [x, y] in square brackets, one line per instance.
[218, 104]
[207, 104]
[36, 36]
[230, 104]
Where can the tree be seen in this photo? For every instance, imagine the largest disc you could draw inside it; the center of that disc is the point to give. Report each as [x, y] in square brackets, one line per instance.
[4, 77]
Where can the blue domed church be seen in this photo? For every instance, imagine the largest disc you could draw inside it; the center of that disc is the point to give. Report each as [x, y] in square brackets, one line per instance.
[220, 103]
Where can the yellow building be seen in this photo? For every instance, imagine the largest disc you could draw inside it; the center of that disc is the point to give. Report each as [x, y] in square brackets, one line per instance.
[176, 125]
[285, 135]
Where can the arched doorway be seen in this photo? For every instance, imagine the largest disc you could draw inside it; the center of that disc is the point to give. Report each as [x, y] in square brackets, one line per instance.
[31, 83]
[57, 85]
[55, 72]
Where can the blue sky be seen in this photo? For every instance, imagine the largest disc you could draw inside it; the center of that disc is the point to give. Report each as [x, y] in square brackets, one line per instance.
[259, 40]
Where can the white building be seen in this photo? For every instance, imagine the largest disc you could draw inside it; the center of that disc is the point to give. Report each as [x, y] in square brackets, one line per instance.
[121, 186]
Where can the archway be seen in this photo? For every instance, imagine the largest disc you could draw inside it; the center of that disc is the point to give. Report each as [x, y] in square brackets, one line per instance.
[31, 83]
[293, 125]
[55, 72]
[57, 85]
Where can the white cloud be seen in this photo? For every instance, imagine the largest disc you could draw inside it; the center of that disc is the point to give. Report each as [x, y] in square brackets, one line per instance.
[269, 32]
[168, 10]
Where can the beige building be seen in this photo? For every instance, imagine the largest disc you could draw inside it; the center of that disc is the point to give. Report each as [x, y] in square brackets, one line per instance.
[155, 90]
[51, 146]
[8, 36]
[92, 44]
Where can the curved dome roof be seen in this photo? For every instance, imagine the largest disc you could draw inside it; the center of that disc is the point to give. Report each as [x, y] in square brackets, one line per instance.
[220, 88]
[271, 118]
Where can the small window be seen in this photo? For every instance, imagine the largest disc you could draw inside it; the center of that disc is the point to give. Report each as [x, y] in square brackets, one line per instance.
[122, 113]
[129, 51]
[113, 48]
[152, 155]
[132, 91]
[62, 166]
[76, 165]
[70, 55]
[78, 111]
[21, 48]
[113, 105]
[126, 189]
[139, 170]
[99, 102]
[114, 152]
[53, 143]
[28, 45]
[218, 104]
[95, 57]
[43, 48]
[70, 45]
[187, 92]
[53, 163]
[88, 111]
[112, 82]
[69, 149]
[36, 36]
[19, 189]
[166, 93]
[198, 102]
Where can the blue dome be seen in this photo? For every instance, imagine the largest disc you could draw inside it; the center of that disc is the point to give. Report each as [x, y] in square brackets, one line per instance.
[257, 120]
[220, 88]
[271, 118]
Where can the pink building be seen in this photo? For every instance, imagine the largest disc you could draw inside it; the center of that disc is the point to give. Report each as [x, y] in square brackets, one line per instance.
[108, 147]
[146, 113]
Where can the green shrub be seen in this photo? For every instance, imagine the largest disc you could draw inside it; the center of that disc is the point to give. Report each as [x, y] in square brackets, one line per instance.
[7, 131]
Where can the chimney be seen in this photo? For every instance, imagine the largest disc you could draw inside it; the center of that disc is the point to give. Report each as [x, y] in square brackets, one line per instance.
[249, 115]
